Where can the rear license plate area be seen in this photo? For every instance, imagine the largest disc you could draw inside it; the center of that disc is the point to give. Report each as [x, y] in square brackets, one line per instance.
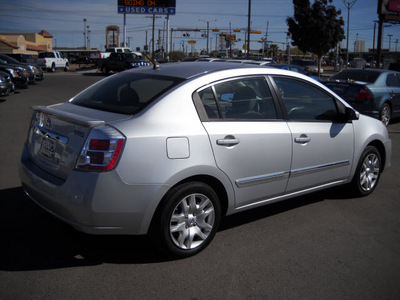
[48, 148]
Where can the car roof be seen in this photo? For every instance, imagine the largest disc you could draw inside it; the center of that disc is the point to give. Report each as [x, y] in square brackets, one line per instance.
[189, 70]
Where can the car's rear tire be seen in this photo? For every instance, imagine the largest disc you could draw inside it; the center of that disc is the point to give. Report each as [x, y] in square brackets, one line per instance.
[367, 173]
[187, 220]
[385, 114]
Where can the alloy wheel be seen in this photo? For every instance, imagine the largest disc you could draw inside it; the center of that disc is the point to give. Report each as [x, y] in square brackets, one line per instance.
[369, 173]
[192, 221]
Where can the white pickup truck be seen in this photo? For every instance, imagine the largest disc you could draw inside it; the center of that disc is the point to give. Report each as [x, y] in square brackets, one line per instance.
[52, 60]
[116, 49]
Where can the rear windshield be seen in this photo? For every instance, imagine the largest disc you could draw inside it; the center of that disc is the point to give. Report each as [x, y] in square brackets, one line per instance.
[46, 54]
[361, 75]
[125, 93]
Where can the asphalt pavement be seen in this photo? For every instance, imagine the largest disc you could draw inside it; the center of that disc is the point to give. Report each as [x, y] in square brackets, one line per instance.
[321, 246]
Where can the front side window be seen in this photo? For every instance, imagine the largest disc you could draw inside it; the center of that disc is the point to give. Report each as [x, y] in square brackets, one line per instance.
[240, 99]
[304, 101]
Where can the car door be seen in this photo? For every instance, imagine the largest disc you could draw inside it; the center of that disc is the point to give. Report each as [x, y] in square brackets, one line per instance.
[58, 60]
[393, 85]
[323, 145]
[251, 144]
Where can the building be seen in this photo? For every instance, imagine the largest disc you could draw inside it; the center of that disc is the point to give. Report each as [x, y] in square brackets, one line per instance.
[26, 43]
[359, 46]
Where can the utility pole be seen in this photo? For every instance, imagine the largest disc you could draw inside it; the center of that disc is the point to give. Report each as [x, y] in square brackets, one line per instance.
[248, 31]
[208, 33]
[379, 46]
[349, 4]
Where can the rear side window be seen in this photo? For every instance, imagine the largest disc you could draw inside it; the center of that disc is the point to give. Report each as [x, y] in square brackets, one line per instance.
[304, 101]
[240, 99]
[46, 54]
[125, 93]
[393, 80]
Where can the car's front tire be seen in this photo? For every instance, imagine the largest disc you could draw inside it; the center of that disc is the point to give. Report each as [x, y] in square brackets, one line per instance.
[367, 173]
[187, 220]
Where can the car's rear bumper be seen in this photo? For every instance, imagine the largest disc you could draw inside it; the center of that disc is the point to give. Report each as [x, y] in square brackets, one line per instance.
[88, 201]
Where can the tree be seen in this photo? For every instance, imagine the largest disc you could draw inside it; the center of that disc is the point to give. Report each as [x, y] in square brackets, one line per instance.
[316, 28]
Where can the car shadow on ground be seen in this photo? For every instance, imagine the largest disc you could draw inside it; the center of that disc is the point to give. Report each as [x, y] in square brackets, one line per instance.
[34, 240]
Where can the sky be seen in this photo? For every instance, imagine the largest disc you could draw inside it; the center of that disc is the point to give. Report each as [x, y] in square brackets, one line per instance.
[64, 20]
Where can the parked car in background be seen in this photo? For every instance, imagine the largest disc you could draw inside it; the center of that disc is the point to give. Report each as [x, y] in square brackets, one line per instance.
[19, 76]
[108, 51]
[260, 62]
[168, 151]
[26, 71]
[22, 57]
[309, 65]
[118, 62]
[373, 92]
[33, 69]
[6, 84]
[395, 67]
[295, 68]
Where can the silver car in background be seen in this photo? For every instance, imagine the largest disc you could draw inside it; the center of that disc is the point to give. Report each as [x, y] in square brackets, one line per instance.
[168, 151]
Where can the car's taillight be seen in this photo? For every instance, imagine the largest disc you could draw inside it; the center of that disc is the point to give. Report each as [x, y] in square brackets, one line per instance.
[102, 150]
[363, 94]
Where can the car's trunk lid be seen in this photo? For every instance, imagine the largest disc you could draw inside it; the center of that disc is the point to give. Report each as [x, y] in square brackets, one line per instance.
[346, 90]
[57, 134]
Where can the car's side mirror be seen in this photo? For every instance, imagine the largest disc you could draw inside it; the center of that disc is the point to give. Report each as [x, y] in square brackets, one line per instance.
[351, 114]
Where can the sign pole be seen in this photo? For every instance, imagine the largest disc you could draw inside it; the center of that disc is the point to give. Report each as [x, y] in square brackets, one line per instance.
[167, 39]
[124, 30]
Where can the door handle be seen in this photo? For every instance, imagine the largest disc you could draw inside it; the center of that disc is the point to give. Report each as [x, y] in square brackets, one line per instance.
[228, 141]
[303, 139]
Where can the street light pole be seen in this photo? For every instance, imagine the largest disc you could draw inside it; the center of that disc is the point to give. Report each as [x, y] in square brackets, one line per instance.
[84, 34]
[349, 4]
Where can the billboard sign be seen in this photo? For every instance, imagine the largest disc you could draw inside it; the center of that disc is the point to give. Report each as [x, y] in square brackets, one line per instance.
[389, 9]
[150, 7]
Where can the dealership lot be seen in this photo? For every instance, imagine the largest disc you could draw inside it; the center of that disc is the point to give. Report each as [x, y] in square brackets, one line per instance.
[320, 246]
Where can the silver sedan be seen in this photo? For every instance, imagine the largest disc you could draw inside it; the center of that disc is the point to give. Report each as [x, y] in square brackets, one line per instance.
[168, 151]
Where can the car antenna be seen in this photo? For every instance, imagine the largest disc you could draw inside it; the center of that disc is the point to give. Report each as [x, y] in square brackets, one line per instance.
[156, 66]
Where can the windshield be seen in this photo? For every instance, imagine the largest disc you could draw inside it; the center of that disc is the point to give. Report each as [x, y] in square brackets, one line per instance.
[356, 75]
[10, 60]
[125, 93]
